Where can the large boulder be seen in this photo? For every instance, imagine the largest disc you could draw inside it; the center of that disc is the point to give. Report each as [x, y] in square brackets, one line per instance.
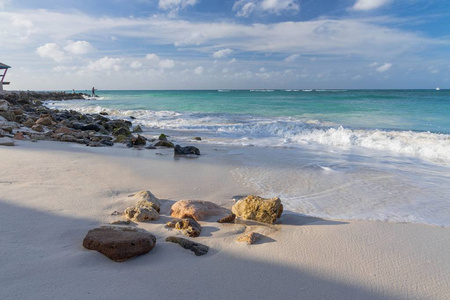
[188, 226]
[141, 214]
[119, 243]
[258, 209]
[46, 121]
[196, 209]
[178, 150]
[147, 199]
[197, 248]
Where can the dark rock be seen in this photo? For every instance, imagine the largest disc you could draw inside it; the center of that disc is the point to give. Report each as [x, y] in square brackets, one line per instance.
[104, 113]
[121, 131]
[94, 127]
[163, 137]
[150, 147]
[164, 144]
[119, 243]
[107, 142]
[37, 128]
[138, 129]
[188, 226]
[228, 219]
[121, 139]
[197, 248]
[139, 140]
[29, 122]
[186, 150]
[197, 138]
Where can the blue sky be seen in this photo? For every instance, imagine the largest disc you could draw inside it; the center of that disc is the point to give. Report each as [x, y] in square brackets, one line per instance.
[215, 44]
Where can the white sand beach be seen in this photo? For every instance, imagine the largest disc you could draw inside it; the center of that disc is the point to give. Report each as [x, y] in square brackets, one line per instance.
[52, 193]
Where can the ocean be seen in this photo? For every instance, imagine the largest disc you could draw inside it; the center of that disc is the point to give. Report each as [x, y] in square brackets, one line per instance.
[341, 154]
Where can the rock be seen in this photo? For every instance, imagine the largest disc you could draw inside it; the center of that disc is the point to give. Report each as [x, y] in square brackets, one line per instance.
[188, 226]
[250, 238]
[197, 138]
[4, 141]
[68, 138]
[163, 137]
[121, 222]
[63, 129]
[197, 248]
[228, 219]
[107, 142]
[164, 144]
[93, 127]
[103, 113]
[119, 243]
[46, 121]
[147, 199]
[19, 136]
[138, 129]
[4, 105]
[186, 150]
[121, 139]
[258, 209]
[195, 209]
[37, 128]
[122, 131]
[139, 140]
[141, 214]
[29, 122]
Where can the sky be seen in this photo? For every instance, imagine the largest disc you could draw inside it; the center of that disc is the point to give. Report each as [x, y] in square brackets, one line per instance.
[225, 44]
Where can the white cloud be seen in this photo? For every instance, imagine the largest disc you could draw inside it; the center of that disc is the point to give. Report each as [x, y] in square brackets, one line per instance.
[199, 70]
[53, 51]
[244, 8]
[222, 53]
[166, 64]
[136, 64]
[106, 64]
[369, 4]
[232, 61]
[384, 67]
[291, 58]
[374, 64]
[175, 5]
[3, 3]
[79, 47]
[152, 57]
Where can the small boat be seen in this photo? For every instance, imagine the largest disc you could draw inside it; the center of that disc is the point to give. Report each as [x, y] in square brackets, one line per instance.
[438, 89]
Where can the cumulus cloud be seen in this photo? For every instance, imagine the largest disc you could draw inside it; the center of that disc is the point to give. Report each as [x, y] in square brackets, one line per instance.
[384, 68]
[53, 51]
[244, 8]
[152, 57]
[222, 53]
[136, 64]
[369, 4]
[166, 64]
[106, 64]
[291, 58]
[79, 47]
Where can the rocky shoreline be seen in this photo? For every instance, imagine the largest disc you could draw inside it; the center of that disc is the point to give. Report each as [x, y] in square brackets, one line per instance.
[23, 116]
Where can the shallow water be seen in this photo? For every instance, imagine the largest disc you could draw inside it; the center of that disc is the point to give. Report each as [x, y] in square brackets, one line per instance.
[378, 155]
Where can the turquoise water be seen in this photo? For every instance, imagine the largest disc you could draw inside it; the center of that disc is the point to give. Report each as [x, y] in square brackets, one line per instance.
[417, 110]
[341, 154]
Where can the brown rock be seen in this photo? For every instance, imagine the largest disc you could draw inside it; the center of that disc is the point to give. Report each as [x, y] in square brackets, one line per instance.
[228, 219]
[119, 243]
[250, 238]
[63, 129]
[141, 214]
[197, 248]
[46, 121]
[37, 128]
[188, 226]
[258, 209]
[29, 122]
[147, 199]
[19, 136]
[195, 209]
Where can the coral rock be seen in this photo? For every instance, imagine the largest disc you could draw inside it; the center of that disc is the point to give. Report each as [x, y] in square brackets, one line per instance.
[141, 214]
[195, 209]
[258, 209]
[197, 248]
[250, 238]
[188, 226]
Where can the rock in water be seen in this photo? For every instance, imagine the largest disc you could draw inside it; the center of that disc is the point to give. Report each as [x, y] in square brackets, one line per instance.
[147, 199]
[178, 150]
[258, 209]
[4, 105]
[119, 243]
[141, 214]
[195, 209]
[250, 238]
[197, 248]
[188, 226]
